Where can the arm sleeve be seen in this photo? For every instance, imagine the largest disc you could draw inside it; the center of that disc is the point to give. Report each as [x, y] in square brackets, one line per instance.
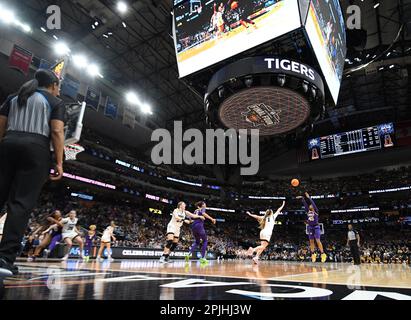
[314, 205]
[59, 112]
[5, 107]
[305, 204]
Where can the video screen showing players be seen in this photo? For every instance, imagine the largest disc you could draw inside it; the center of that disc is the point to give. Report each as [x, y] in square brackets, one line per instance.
[326, 30]
[209, 31]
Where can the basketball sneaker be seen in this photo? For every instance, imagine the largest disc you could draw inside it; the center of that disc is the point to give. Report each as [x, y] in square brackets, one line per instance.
[255, 260]
[204, 261]
[313, 257]
[6, 269]
[323, 257]
[187, 258]
[98, 259]
[163, 259]
[65, 258]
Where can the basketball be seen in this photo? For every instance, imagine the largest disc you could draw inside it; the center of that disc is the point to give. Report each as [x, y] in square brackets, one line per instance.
[234, 5]
[295, 183]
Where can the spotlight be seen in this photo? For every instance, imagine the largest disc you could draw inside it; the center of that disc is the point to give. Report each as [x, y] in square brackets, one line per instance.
[221, 92]
[305, 86]
[207, 105]
[313, 93]
[7, 16]
[146, 109]
[132, 98]
[93, 70]
[248, 81]
[122, 7]
[61, 49]
[26, 28]
[281, 80]
[80, 61]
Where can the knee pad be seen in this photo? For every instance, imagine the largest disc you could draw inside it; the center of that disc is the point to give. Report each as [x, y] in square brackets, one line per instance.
[173, 246]
[169, 244]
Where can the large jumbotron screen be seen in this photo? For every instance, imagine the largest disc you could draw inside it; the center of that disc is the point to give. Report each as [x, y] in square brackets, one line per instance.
[325, 28]
[209, 31]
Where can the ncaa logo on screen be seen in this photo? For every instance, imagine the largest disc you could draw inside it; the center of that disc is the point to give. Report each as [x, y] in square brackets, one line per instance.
[262, 115]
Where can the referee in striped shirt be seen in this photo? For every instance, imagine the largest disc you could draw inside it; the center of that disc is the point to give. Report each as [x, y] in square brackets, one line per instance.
[353, 241]
[29, 120]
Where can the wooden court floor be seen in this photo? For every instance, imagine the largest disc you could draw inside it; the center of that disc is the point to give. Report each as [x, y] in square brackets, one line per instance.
[227, 280]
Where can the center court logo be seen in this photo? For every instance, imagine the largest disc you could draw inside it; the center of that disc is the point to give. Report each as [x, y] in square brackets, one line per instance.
[262, 115]
[209, 148]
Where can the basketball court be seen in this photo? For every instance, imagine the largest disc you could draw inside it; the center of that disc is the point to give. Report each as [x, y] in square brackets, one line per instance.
[227, 280]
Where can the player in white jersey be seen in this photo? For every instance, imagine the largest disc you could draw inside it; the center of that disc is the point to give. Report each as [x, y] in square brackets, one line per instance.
[70, 234]
[2, 222]
[267, 224]
[108, 234]
[174, 227]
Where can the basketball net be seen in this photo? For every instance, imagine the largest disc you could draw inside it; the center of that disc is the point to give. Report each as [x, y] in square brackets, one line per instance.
[72, 150]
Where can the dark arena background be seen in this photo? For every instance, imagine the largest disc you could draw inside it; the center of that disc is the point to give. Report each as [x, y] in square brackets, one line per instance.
[326, 83]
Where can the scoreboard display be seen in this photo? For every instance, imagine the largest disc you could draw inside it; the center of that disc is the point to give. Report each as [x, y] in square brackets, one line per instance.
[361, 140]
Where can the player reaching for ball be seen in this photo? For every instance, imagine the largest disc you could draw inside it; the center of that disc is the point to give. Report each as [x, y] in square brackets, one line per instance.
[313, 228]
[174, 227]
[242, 12]
[266, 225]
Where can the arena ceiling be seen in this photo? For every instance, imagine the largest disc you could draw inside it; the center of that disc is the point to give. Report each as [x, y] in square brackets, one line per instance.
[141, 55]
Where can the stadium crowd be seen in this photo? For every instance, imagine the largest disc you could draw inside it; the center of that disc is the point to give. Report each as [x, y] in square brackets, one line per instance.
[381, 242]
[385, 232]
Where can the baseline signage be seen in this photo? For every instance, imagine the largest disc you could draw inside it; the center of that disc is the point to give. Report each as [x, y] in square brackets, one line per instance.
[356, 210]
[131, 253]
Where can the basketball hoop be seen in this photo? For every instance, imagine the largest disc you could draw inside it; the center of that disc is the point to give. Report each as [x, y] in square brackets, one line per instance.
[72, 150]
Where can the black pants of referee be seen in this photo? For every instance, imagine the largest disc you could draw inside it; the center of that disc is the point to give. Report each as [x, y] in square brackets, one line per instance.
[355, 251]
[24, 168]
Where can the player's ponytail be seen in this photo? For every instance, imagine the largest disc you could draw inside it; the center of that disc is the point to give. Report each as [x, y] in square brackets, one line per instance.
[26, 91]
[268, 213]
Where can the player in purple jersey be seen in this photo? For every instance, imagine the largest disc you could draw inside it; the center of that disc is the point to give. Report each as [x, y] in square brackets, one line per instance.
[51, 226]
[313, 228]
[90, 238]
[57, 237]
[199, 232]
